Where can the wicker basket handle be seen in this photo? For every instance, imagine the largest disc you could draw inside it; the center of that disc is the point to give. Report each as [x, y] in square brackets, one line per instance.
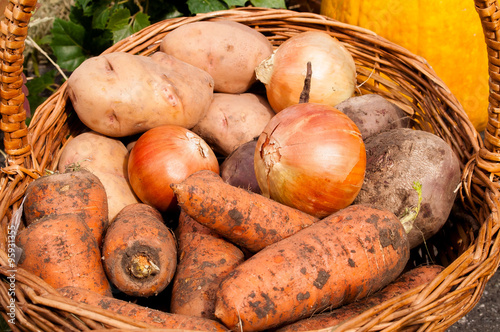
[14, 30]
[489, 13]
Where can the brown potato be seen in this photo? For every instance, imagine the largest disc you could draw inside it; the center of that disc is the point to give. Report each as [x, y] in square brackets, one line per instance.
[233, 119]
[120, 94]
[106, 158]
[229, 51]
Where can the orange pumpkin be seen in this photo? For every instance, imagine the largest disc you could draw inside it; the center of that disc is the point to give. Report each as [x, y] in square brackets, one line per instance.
[448, 34]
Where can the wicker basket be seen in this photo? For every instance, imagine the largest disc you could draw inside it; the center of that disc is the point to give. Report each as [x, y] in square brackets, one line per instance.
[468, 247]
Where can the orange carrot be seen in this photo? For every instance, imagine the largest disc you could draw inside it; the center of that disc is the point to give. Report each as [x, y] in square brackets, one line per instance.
[139, 251]
[204, 260]
[249, 220]
[339, 259]
[407, 281]
[143, 314]
[78, 192]
[61, 249]
[189, 225]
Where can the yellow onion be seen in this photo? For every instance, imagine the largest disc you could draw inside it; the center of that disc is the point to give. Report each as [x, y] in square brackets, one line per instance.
[333, 71]
[164, 155]
[311, 157]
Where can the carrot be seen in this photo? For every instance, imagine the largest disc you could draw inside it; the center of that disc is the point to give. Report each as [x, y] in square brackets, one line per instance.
[189, 225]
[341, 258]
[407, 281]
[204, 260]
[139, 251]
[147, 315]
[79, 192]
[249, 220]
[61, 249]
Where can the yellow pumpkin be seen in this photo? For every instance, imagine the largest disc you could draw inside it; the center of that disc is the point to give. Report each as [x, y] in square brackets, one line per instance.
[447, 33]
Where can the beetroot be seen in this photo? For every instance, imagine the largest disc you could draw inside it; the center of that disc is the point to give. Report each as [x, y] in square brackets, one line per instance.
[237, 169]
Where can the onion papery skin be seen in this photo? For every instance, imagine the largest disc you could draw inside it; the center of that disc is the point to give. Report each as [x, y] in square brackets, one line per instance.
[333, 77]
[164, 155]
[311, 157]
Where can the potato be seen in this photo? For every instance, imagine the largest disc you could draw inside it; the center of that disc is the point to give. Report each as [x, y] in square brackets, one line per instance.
[229, 51]
[106, 158]
[121, 94]
[373, 114]
[398, 158]
[233, 119]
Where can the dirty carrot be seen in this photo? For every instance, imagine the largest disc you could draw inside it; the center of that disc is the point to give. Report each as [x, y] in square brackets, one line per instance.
[187, 224]
[339, 259]
[79, 192]
[139, 251]
[407, 281]
[204, 260]
[247, 219]
[61, 249]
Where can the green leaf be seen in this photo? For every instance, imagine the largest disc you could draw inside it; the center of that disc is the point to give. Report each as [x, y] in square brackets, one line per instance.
[159, 10]
[173, 13]
[37, 86]
[269, 3]
[45, 40]
[141, 20]
[76, 15]
[119, 24]
[97, 41]
[121, 33]
[101, 17]
[205, 6]
[118, 19]
[86, 6]
[67, 43]
[235, 3]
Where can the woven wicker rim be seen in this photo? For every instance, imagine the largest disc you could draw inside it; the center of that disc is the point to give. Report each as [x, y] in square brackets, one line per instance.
[383, 68]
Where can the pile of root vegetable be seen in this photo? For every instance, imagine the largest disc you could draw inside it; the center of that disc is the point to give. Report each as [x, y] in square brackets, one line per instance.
[224, 184]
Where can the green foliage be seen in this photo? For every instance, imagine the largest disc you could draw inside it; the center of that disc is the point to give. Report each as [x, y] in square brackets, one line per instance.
[38, 85]
[205, 6]
[93, 27]
[67, 43]
[269, 3]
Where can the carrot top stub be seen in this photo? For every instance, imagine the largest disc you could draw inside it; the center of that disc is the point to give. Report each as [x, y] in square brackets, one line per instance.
[337, 260]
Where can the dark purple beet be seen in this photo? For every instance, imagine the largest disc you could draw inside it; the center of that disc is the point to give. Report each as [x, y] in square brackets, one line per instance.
[237, 169]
